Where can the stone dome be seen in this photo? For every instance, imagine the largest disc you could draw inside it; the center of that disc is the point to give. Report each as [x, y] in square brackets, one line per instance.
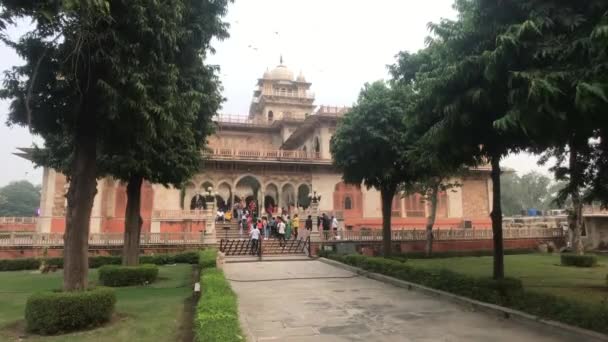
[266, 74]
[282, 73]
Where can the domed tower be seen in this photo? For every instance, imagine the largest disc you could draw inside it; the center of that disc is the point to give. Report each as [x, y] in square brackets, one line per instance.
[281, 96]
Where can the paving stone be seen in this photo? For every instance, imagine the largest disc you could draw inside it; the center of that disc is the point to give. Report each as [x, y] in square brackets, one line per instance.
[353, 308]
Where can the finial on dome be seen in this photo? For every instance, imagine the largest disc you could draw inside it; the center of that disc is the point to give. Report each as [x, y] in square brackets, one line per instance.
[281, 59]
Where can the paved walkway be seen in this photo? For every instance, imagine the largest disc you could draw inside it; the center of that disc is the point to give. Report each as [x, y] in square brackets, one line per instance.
[344, 307]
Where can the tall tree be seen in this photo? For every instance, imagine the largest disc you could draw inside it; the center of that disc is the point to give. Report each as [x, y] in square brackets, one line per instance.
[366, 147]
[429, 170]
[558, 93]
[464, 92]
[19, 198]
[84, 72]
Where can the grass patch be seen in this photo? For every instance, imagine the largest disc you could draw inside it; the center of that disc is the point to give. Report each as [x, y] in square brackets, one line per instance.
[217, 316]
[538, 272]
[150, 313]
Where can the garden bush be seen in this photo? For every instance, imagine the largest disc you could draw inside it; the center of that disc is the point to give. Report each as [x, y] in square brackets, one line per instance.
[217, 311]
[191, 257]
[115, 275]
[19, 264]
[457, 254]
[207, 258]
[506, 292]
[55, 312]
[578, 260]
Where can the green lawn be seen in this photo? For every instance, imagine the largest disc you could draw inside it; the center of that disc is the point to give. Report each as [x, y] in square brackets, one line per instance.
[539, 272]
[151, 313]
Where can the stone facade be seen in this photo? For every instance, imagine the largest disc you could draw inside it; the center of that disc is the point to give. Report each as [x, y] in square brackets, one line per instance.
[275, 156]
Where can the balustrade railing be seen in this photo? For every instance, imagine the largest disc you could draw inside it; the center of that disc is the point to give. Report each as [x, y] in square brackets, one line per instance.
[182, 214]
[231, 153]
[10, 239]
[18, 220]
[442, 234]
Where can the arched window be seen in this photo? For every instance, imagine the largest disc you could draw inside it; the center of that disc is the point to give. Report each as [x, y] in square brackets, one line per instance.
[270, 115]
[317, 145]
[348, 203]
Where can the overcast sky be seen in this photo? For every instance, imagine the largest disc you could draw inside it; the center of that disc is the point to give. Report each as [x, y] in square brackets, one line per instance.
[338, 45]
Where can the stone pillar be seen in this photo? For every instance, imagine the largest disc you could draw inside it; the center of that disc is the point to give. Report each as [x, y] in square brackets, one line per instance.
[43, 225]
[210, 233]
[314, 212]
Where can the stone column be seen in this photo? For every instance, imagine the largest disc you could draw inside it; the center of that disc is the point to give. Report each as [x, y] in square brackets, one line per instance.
[210, 234]
[314, 212]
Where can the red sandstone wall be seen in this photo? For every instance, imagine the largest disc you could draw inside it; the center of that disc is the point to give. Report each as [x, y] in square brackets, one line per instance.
[475, 197]
[17, 227]
[414, 222]
[182, 226]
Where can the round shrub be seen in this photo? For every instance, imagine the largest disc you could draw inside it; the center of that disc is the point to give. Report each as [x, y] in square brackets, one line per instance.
[578, 260]
[55, 312]
[115, 275]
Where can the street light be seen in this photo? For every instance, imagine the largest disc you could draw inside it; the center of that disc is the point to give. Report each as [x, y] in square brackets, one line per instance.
[314, 197]
[210, 194]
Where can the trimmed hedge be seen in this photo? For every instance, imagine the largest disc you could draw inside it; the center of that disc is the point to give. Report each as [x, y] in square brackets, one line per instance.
[578, 260]
[458, 254]
[98, 261]
[508, 292]
[217, 316]
[207, 258]
[114, 275]
[57, 312]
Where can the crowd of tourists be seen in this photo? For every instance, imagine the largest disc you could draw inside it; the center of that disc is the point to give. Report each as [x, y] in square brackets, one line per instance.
[281, 226]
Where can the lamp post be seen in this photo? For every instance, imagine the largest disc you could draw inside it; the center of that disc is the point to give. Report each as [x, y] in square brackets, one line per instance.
[315, 198]
[209, 195]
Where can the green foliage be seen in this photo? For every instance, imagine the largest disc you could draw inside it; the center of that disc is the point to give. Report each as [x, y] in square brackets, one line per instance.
[458, 254]
[20, 198]
[207, 258]
[505, 292]
[51, 313]
[98, 261]
[530, 191]
[578, 260]
[217, 317]
[370, 132]
[19, 264]
[115, 275]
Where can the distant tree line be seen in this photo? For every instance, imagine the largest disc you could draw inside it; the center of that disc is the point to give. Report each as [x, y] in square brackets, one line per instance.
[19, 199]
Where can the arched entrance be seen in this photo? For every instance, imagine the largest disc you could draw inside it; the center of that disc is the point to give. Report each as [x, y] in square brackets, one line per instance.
[288, 197]
[247, 190]
[271, 197]
[303, 200]
[224, 196]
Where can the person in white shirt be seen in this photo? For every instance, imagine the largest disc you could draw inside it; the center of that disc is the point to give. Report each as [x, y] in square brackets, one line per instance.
[255, 239]
[281, 231]
[334, 225]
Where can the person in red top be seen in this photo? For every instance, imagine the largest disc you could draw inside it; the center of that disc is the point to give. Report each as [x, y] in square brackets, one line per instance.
[249, 223]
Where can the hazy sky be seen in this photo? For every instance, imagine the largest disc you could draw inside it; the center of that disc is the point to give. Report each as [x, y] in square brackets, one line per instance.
[338, 45]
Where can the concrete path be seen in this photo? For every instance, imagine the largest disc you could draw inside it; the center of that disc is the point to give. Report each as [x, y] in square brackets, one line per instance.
[336, 305]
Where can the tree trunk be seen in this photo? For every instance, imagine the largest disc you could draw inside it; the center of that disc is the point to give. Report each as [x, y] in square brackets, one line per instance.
[387, 193]
[80, 197]
[575, 217]
[133, 222]
[499, 264]
[430, 221]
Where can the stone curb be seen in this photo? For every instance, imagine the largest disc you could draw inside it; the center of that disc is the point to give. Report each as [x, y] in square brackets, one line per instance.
[481, 306]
